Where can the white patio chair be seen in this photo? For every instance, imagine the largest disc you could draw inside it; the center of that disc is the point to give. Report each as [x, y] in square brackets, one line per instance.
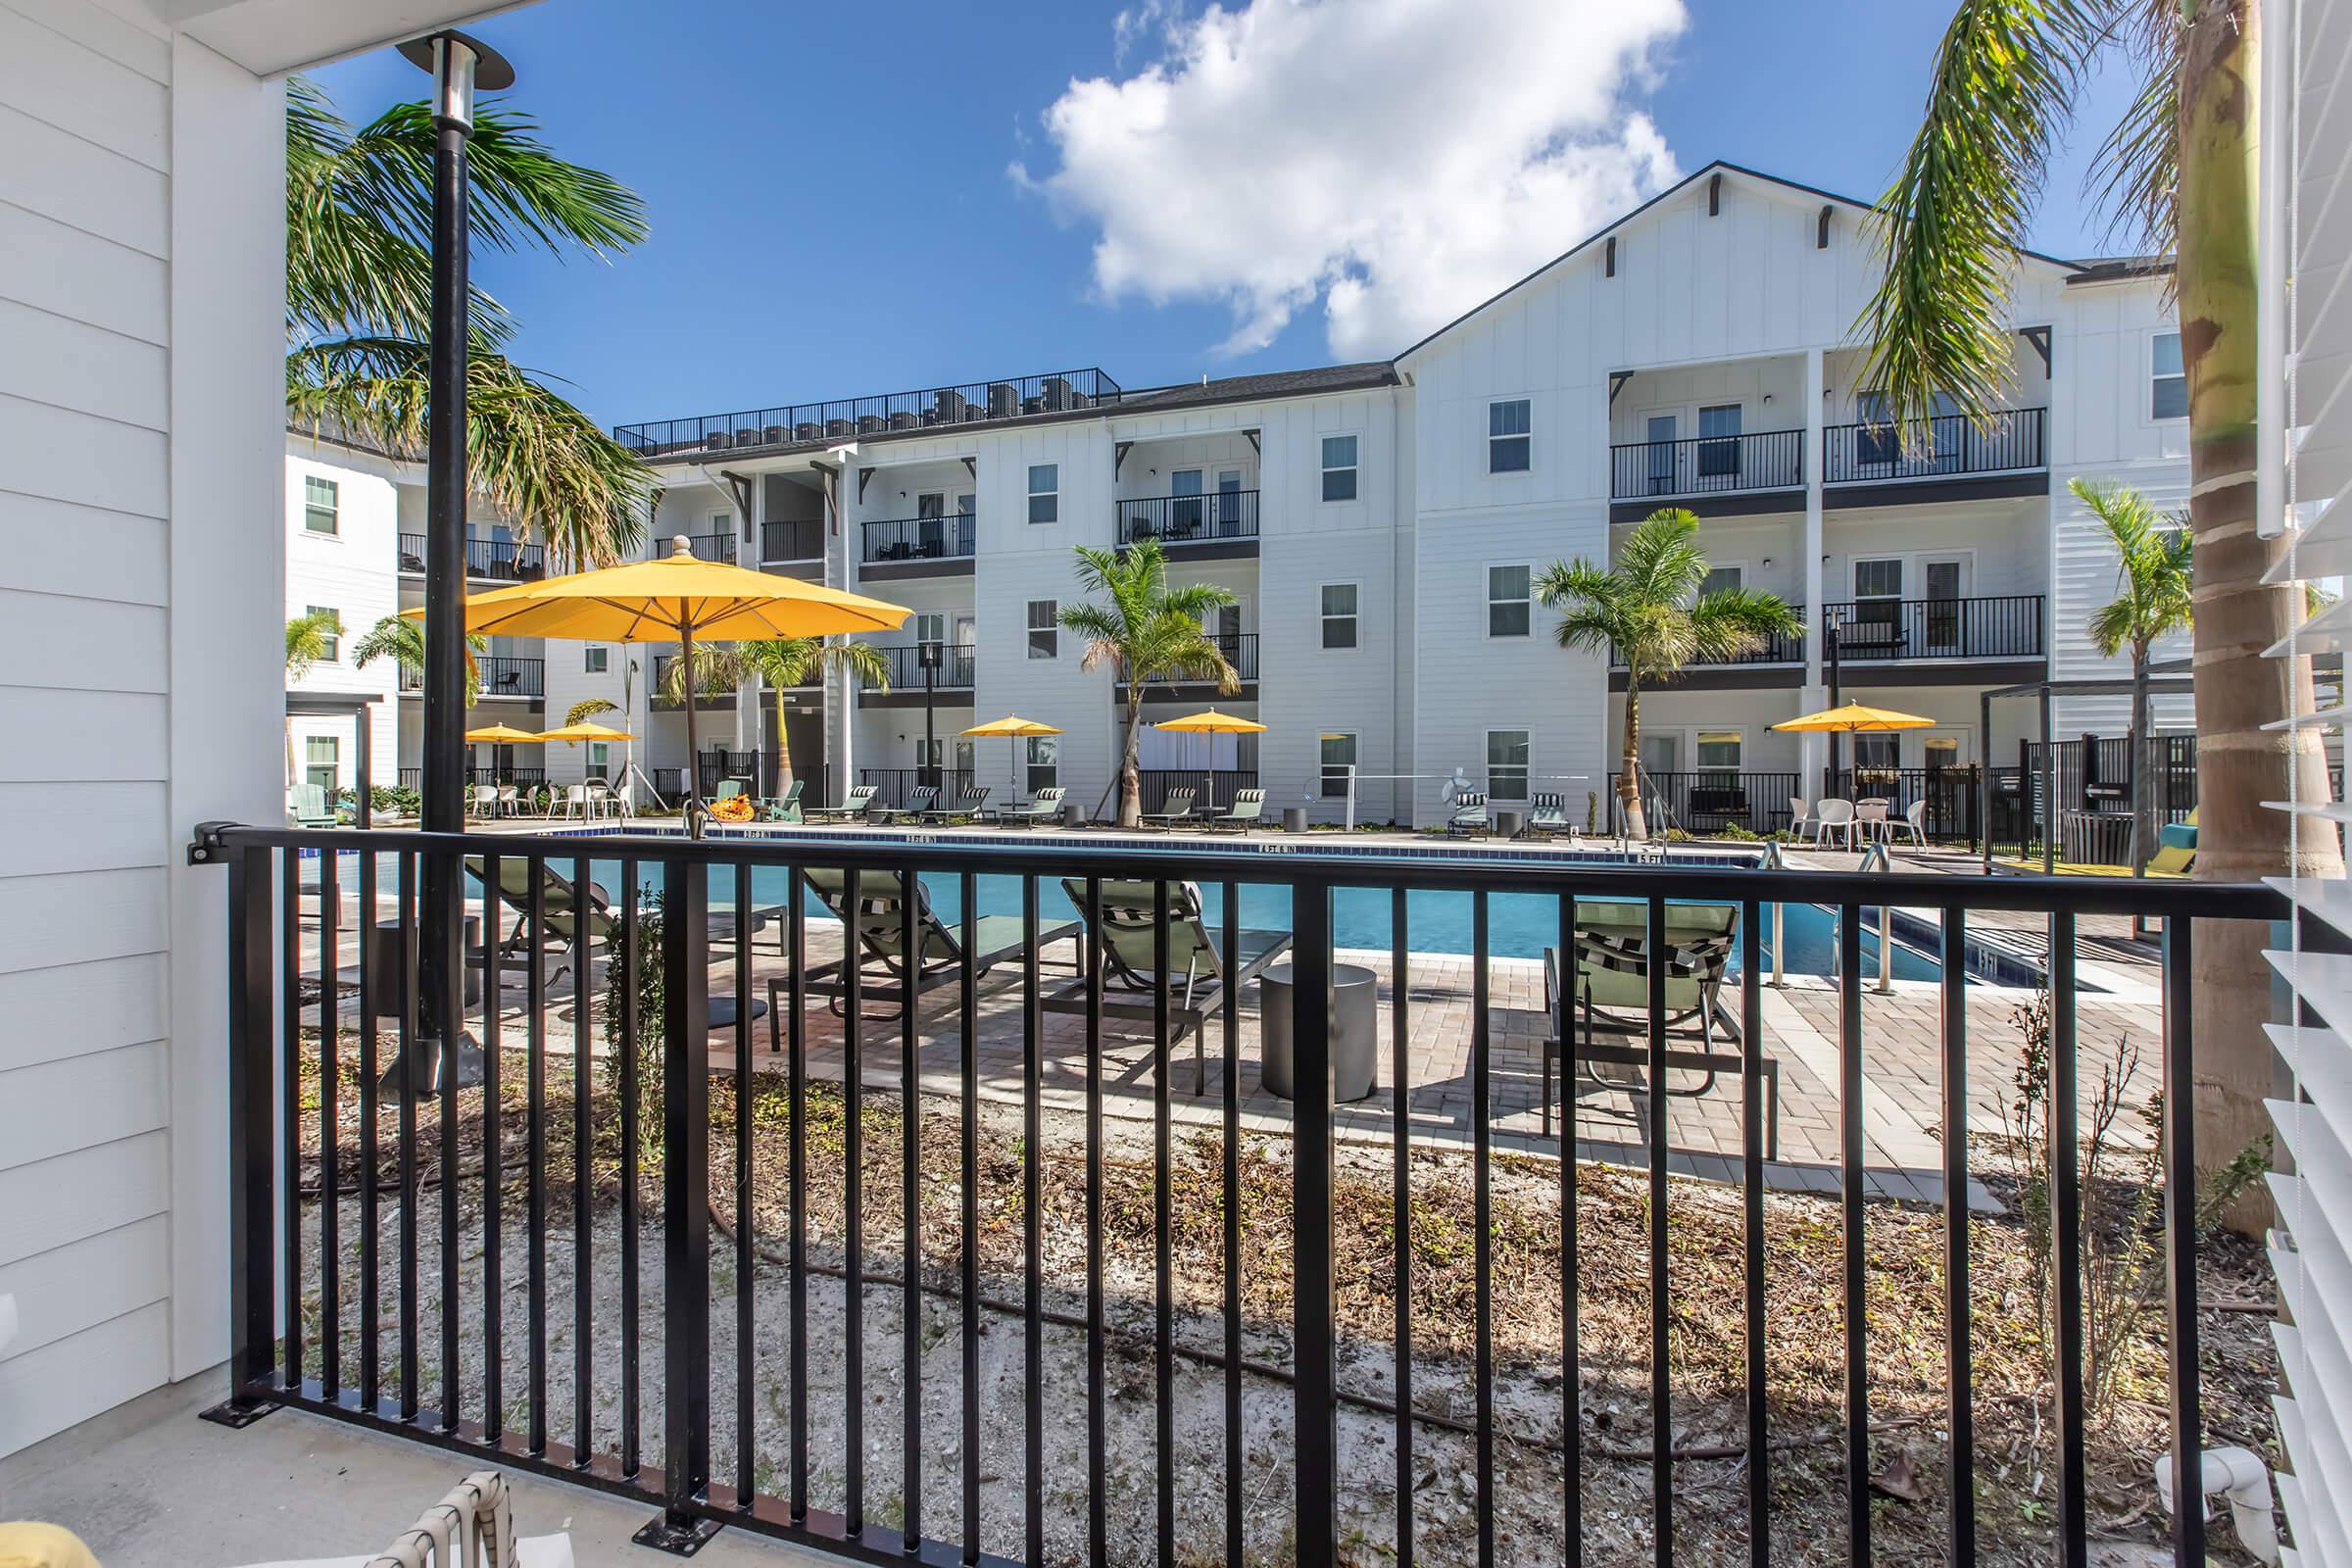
[600, 799]
[1870, 820]
[1911, 825]
[1802, 823]
[575, 801]
[510, 800]
[1834, 816]
[484, 799]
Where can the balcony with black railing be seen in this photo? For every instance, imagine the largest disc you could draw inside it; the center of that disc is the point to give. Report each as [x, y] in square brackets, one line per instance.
[1707, 465]
[1241, 652]
[715, 546]
[1947, 447]
[802, 540]
[1183, 523]
[849, 418]
[2009, 626]
[486, 558]
[1776, 650]
[906, 661]
[947, 542]
[502, 676]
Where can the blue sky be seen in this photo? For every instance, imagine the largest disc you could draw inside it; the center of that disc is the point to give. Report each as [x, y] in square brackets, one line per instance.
[836, 208]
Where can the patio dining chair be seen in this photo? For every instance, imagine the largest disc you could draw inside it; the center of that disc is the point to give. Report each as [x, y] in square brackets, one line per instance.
[1870, 820]
[1912, 825]
[509, 802]
[1804, 822]
[575, 801]
[600, 798]
[1834, 818]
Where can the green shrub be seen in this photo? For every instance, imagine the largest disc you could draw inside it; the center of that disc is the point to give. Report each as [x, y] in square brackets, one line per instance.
[1739, 834]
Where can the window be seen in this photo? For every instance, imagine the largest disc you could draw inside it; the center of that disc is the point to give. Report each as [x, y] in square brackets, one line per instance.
[1045, 762]
[322, 761]
[594, 661]
[1508, 442]
[1718, 753]
[1045, 629]
[930, 626]
[1509, 610]
[1338, 761]
[1339, 468]
[1877, 754]
[2167, 379]
[1878, 579]
[330, 645]
[1045, 492]
[600, 759]
[1722, 580]
[1506, 764]
[1719, 459]
[321, 505]
[1338, 614]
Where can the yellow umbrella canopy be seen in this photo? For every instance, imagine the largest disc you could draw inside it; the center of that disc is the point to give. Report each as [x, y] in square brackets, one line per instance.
[1854, 717]
[503, 735]
[586, 732]
[1013, 727]
[1212, 723]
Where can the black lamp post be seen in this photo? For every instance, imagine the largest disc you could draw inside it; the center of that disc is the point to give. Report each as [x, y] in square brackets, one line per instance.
[458, 64]
[1829, 632]
[929, 655]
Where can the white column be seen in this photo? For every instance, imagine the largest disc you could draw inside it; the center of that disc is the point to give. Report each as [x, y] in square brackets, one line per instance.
[1810, 751]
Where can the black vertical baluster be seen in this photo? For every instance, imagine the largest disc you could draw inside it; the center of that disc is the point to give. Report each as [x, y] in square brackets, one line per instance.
[968, 1285]
[1097, 1463]
[410, 1307]
[370, 992]
[289, 1118]
[1962, 1501]
[1481, 1145]
[746, 1259]
[330, 1193]
[852, 1199]
[1662, 1365]
[1033, 1236]
[1163, 1266]
[1401, 1134]
[450, 1006]
[494, 1337]
[631, 1062]
[1314, 1396]
[2180, 1236]
[253, 1101]
[583, 1164]
[1572, 1416]
[1849, 1164]
[535, 1143]
[911, 1208]
[1229, 1006]
[2066, 1245]
[796, 1078]
[685, 1194]
[1752, 1193]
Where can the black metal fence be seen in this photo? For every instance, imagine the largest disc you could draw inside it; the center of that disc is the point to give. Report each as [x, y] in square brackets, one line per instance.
[920, 538]
[847, 418]
[501, 675]
[1705, 802]
[1195, 520]
[444, 1225]
[2008, 626]
[1769, 460]
[1925, 448]
[719, 547]
[500, 559]
[1214, 789]
[804, 540]
[894, 786]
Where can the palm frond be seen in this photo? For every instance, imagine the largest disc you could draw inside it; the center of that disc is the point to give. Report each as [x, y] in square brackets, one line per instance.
[586, 708]
[402, 640]
[307, 638]
[2134, 176]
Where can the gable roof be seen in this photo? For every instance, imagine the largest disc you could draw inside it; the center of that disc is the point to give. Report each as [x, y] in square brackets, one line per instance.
[1718, 166]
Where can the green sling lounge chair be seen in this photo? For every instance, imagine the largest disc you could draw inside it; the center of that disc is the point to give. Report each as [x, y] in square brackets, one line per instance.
[1174, 812]
[920, 802]
[1197, 981]
[1469, 817]
[861, 800]
[879, 924]
[967, 802]
[1046, 807]
[575, 924]
[1248, 805]
[1549, 818]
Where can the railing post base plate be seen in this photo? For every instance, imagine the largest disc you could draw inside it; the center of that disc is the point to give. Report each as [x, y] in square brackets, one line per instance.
[680, 1538]
[234, 1414]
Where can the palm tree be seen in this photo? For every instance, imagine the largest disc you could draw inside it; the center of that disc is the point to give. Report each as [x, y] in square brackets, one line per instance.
[1146, 631]
[1649, 611]
[2178, 175]
[359, 283]
[2154, 573]
[586, 708]
[781, 663]
[402, 640]
[306, 640]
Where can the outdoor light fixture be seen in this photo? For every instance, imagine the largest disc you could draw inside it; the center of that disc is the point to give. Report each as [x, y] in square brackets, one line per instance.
[440, 1054]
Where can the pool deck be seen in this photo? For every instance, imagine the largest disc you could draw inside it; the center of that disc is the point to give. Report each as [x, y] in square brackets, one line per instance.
[1901, 1102]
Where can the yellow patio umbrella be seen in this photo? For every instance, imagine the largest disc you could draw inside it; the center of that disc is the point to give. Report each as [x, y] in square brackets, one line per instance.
[503, 735]
[1212, 722]
[1013, 727]
[1852, 717]
[675, 598]
[586, 730]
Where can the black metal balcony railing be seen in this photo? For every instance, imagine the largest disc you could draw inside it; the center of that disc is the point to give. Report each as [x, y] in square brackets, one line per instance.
[847, 418]
[894, 787]
[1214, 789]
[2005, 627]
[495, 560]
[1189, 520]
[719, 547]
[354, 1294]
[1776, 650]
[905, 662]
[792, 541]
[1707, 465]
[1241, 652]
[502, 676]
[920, 538]
[1942, 447]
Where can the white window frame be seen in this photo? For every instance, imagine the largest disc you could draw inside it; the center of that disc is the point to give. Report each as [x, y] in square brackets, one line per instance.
[600, 759]
[1691, 741]
[1527, 782]
[333, 507]
[1326, 772]
[1052, 493]
[333, 764]
[1324, 468]
[1052, 628]
[1486, 586]
[596, 659]
[2148, 407]
[1713, 566]
[1528, 435]
[1354, 618]
[1041, 760]
[334, 638]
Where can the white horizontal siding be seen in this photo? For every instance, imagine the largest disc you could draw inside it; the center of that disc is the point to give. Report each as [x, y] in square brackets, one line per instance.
[48, 1390]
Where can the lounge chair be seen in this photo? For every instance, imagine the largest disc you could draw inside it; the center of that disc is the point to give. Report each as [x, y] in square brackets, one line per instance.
[1176, 809]
[1247, 808]
[728, 789]
[880, 924]
[307, 804]
[968, 803]
[575, 924]
[785, 808]
[1548, 818]
[1469, 817]
[919, 800]
[1196, 972]
[1612, 978]
[860, 801]
[2175, 849]
[1046, 807]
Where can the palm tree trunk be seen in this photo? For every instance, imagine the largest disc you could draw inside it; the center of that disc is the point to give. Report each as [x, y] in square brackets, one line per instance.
[1131, 784]
[1629, 776]
[2237, 691]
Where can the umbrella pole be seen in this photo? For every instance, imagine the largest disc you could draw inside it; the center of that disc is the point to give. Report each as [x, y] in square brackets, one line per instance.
[694, 755]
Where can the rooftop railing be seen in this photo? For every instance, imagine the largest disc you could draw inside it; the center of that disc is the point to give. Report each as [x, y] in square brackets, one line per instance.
[848, 418]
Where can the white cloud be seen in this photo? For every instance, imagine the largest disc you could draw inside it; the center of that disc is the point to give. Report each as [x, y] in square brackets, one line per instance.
[1400, 159]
